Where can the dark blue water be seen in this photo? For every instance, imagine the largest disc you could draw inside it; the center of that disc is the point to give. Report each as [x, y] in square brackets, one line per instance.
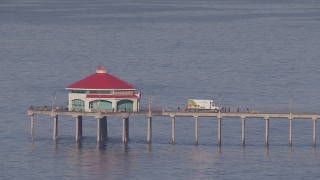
[254, 54]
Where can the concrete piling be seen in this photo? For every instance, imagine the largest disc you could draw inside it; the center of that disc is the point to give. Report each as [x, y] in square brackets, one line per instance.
[314, 135]
[196, 130]
[55, 128]
[172, 129]
[99, 118]
[32, 127]
[243, 130]
[219, 131]
[267, 132]
[149, 130]
[290, 131]
[78, 128]
[104, 128]
[125, 130]
[98, 130]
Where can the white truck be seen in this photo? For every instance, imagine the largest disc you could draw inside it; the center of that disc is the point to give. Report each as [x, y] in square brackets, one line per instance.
[199, 104]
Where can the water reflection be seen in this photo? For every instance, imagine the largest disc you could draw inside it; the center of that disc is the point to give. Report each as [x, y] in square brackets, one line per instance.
[314, 152]
[115, 160]
[79, 145]
[149, 148]
[243, 151]
[55, 145]
[207, 154]
[266, 152]
[290, 152]
[101, 146]
[125, 148]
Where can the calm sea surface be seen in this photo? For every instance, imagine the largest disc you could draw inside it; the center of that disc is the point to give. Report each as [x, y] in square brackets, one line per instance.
[253, 53]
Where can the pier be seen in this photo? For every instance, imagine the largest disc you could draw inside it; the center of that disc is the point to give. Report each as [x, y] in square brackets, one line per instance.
[102, 133]
[102, 95]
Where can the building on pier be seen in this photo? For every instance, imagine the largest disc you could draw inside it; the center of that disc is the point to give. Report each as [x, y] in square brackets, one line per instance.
[102, 91]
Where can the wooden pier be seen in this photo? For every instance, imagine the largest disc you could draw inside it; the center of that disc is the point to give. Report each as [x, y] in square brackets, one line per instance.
[102, 133]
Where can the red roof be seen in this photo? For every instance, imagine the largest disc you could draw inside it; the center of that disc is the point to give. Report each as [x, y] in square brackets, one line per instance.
[96, 96]
[101, 80]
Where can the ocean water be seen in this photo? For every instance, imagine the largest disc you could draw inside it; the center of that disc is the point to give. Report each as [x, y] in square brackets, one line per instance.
[253, 54]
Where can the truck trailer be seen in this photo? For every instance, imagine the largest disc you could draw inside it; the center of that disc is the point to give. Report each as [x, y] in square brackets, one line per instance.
[200, 104]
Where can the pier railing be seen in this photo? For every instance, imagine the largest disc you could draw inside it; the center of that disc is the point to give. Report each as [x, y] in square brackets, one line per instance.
[159, 110]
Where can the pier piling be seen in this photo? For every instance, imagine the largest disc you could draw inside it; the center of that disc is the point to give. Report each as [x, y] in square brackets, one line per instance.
[125, 130]
[98, 130]
[196, 130]
[78, 128]
[267, 132]
[290, 131]
[219, 131]
[173, 121]
[314, 135]
[55, 128]
[149, 130]
[104, 130]
[243, 130]
[32, 127]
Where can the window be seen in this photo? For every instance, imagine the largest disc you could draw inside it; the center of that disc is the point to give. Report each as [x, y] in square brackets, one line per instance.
[101, 92]
[77, 103]
[123, 92]
[78, 91]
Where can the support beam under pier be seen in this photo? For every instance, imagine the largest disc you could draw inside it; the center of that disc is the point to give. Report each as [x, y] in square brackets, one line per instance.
[290, 131]
[267, 131]
[78, 128]
[243, 131]
[314, 135]
[55, 128]
[149, 130]
[104, 130]
[32, 127]
[196, 130]
[173, 129]
[219, 131]
[98, 130]
[125, 130]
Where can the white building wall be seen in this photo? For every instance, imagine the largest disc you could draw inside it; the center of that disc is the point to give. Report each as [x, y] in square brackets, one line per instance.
[86, 103]
[114, 104]
[73, 96]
